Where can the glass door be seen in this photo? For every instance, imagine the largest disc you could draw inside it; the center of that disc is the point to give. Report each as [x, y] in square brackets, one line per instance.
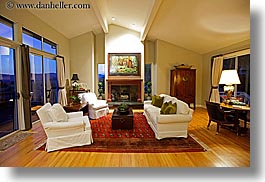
[36, 84]
[51, 81]
[36, 78]
[8, 101]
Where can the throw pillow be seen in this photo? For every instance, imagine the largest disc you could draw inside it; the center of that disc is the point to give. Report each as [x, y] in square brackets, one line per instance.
[171, 108]
[57, 113]
[157, 101]
[163, 107]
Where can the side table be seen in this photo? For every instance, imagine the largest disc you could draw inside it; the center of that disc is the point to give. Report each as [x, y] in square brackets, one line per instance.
[77, 107]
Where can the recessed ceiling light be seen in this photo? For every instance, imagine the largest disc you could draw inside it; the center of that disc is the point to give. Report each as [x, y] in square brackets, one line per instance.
[113, 18]
[133, 25]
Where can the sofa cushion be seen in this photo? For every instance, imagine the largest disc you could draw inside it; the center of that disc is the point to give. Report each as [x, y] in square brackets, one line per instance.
[163, 107]
[43, 113]
[157, 101]
[170, 108]
[57, 113]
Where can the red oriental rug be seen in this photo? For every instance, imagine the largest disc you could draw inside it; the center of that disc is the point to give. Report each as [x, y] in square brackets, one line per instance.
[139, 140]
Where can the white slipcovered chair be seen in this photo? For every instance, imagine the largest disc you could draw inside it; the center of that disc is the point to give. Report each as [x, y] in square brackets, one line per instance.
[63, 129]
[96, 107]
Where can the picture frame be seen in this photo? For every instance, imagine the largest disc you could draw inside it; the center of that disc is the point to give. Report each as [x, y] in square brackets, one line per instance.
[124, 64]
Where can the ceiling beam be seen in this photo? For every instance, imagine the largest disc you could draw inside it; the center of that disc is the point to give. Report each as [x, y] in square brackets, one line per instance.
[149, 20]
[100, 14]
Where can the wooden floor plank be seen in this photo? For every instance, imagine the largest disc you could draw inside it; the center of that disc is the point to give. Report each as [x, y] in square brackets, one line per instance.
[225, 150]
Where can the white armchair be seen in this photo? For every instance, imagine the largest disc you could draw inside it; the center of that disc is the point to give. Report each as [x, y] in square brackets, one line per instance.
[63, 129]
[96, 107]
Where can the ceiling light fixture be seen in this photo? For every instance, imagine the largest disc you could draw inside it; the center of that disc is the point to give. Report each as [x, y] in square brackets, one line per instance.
[113, 18]
[133, 25]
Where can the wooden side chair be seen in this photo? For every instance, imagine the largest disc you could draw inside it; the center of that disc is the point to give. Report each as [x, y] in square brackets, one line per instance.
[221, 117]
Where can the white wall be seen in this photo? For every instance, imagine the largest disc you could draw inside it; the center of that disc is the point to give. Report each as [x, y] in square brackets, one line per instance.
[169, 55]
[82, 58]
[122, 40]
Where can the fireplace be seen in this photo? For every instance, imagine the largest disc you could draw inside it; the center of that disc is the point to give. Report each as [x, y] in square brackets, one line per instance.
[123, 90]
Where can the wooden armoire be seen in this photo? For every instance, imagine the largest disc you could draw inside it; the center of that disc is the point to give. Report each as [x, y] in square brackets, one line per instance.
[183, 84]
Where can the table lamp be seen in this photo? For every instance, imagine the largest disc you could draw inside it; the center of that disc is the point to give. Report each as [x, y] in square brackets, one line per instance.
[229, 78]
[75, 77]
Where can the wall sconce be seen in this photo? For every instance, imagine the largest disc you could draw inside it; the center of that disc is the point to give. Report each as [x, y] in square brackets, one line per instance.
[229, 78]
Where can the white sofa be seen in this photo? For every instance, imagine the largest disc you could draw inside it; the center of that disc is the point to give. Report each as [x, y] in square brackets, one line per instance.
[168, 125]
[96, 107]
[64, 130]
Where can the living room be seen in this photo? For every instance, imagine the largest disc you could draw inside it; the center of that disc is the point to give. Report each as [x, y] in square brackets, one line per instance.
[83, 49]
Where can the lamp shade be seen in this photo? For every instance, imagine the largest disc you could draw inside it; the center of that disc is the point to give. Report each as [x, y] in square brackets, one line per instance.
[229, 77]
[75, 77]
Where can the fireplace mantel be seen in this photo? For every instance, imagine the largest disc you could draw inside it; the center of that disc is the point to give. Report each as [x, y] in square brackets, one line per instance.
[125, 81]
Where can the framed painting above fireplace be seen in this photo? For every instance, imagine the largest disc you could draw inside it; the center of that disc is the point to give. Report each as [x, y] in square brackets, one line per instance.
[124, 64]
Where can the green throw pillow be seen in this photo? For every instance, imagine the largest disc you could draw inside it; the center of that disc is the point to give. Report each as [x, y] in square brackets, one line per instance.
[163, 107]
[171, 108]
[157, 101]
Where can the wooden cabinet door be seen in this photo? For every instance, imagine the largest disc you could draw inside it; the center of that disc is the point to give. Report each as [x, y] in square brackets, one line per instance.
[182, 84]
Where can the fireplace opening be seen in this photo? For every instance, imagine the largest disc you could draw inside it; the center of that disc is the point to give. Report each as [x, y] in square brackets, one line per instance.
[124, 93]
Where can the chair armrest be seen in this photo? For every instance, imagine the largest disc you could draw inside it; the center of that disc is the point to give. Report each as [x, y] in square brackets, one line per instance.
[84, 119]
[98, 102]
[74, 114]
[147, 102]
[86, 122]
[228, 112]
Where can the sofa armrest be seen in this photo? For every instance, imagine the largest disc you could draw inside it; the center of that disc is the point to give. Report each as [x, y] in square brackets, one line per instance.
[147, 102]
[74, 114]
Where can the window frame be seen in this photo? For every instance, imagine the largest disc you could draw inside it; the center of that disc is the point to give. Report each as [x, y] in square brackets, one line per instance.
[8, 23]
[42, 41]
[235, 56]
[47, 41]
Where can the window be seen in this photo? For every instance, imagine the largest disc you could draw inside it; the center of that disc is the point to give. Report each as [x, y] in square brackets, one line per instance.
[44, 82]
[101, 76]
[242, 64]
[49, 46]
[8, 111]
[6, 28]
[36, 77]
[147, 79]
[36, 41]
[31, 39]
[51, 81]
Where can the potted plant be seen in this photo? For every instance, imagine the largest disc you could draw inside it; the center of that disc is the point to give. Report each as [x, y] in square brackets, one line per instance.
[75, 99]
[123, 108]
[100, 89]
[149, 90]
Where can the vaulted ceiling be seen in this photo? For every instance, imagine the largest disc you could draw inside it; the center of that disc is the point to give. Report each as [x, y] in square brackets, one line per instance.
[198, 25]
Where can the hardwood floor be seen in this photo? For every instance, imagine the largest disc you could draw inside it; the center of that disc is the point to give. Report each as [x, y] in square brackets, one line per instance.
[225, 150]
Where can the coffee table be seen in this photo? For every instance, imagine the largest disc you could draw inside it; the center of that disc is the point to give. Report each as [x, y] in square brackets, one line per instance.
[122, 121]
